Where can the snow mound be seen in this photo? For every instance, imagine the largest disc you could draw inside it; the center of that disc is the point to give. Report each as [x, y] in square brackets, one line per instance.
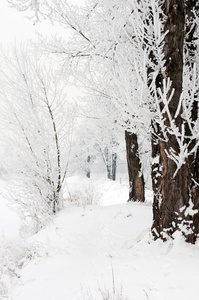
[99, 252]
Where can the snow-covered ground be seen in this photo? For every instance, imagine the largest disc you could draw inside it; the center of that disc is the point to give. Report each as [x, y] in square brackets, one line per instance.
[9, 221]
[91, 251]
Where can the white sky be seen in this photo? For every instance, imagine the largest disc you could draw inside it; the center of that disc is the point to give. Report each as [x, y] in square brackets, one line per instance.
[15, 26]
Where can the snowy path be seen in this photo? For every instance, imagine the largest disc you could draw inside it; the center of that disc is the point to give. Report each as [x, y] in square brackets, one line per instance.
[78, 252]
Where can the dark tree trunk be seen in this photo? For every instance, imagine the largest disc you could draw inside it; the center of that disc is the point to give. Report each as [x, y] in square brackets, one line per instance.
[172, 194]
[193, 161]
[136, 179]
[114, 166]
[88, 172]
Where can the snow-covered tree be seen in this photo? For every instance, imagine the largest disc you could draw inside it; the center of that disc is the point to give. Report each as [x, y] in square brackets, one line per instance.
[99, 137]
[39, 122]
[170, 37]
[176, 139]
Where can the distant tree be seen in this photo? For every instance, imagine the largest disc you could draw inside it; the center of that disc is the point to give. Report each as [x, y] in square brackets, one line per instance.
[99, 138]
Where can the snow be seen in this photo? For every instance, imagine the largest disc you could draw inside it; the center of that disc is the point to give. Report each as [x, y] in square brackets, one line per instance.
[9, 221]
[88, 251]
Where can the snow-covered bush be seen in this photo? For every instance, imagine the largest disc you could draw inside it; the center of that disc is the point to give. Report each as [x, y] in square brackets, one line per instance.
[11, 254]
[86, 194]
[113, 293]
[110, 295]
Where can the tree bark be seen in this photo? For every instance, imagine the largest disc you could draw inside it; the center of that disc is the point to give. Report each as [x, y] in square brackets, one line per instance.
[136, 179]
[172, 194]
[193, 160]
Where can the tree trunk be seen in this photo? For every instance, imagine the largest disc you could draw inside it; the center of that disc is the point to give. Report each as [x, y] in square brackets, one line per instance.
[114, 166]
[111, 164]
[88, 172]
[136, 179]
[172, 194]
[193, 161]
